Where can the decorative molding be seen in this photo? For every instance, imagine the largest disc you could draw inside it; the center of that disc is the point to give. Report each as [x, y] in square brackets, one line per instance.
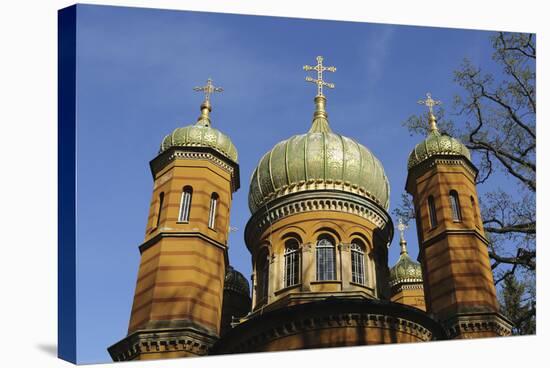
[409, 284]
[307, 247]
[333, 320]
[445, 233]
[344, 247]
[317, 201]
[478, 323]
[317, 185]
[435, 160]
[188, 339]
[197, 153]
[155, 239]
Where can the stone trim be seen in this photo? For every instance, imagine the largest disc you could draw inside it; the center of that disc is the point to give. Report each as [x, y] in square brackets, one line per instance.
[263, 327]
[197, 153]
[445, 233]
[408, 284]
[155, 239]
[455, 160]
[316, 184]
[317, 201]
[333, 321]
[188, 339]
[478, 323]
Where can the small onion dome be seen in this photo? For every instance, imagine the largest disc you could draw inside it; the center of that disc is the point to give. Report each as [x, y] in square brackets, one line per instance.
[319, 159]
[201, 134]
[405, 270]
[235, 281]
[436, 144]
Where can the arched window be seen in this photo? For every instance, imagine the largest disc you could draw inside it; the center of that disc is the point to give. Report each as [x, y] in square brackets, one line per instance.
[263, 275]
[213, 206]
[292, 262]
[161, 203]
[358, 262]
[185, 204]
[474, 209]
[455, 206]
[326, 258]
[432, 212]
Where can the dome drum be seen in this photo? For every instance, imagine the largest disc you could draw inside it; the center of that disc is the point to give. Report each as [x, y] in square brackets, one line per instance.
[315, 201]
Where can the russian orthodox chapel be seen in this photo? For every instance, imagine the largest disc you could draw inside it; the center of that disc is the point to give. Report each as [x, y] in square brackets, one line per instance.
[318, 236]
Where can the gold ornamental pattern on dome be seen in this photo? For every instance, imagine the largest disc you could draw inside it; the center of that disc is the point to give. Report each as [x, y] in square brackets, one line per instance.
[320, 68]
[208, 90]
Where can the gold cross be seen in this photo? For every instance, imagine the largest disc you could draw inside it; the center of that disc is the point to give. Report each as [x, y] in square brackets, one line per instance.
[429, 102]
[208, 89]
[320, 69]
[402, 227]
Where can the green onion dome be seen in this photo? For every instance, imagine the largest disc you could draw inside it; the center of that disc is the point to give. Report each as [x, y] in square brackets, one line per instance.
[436, 144]
[235, 281]
[405, 270]
[201, 134]
[318, 160]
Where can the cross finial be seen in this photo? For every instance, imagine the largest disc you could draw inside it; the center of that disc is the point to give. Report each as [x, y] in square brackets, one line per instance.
[402, 227]
[320, 68]
[208, 90]
[429, 102]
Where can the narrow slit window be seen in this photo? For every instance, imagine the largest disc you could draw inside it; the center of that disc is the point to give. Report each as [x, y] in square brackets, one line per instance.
[292, 262]
[213, 208]
[358, 262]
[432, 212]
[326, 259]
[161, 203]
[474, 209]
[455, 206]
[263, 280]
[185, 204]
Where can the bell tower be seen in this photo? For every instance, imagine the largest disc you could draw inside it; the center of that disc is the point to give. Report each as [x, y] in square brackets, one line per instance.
[178, 297]
[458, 281]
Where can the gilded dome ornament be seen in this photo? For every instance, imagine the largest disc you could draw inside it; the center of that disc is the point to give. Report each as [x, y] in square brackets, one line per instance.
[318, 160]
[201, 134]
[405, 270]
[235, 281]
[436, 143]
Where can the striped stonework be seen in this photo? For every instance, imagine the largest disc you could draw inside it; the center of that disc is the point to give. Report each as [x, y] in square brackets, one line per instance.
[458, 280]
[411, 294]
[178, 298]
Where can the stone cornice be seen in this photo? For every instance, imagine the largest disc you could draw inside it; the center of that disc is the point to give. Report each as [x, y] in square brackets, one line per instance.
[252, 334]
[197, 153]
[435, 160]
[185, 338]
[313, 201]
[406, 284]
[445, 233]
[478, 323]
[188, 234]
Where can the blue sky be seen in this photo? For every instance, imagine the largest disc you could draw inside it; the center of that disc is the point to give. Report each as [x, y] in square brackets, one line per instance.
[135, 72]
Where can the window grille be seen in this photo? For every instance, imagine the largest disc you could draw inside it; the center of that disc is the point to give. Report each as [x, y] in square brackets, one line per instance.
[185, 204]
[292, 263]
[326, 255]
[455, 206]
[357, 263]
[213, 208]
